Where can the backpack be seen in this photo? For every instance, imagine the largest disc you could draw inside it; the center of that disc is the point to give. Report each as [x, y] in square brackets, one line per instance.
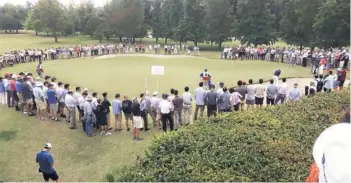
[320, 85]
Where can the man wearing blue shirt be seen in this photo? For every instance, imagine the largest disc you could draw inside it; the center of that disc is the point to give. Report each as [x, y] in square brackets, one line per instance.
[52, 102]
[200, 95]
[19, 89]
[46, 164]
[116, 109]
[295, 93]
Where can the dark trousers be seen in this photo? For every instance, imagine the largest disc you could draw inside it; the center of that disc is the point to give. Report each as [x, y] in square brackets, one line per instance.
[211, 110]
[280, 98]
[144, 116]
[270, 101]
[167, 118]
[9, 98]
[236, 107]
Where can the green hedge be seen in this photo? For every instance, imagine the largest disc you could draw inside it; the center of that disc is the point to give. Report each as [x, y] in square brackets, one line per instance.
[270, 144]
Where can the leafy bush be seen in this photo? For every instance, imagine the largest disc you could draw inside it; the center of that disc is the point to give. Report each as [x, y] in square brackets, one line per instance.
[272, 144]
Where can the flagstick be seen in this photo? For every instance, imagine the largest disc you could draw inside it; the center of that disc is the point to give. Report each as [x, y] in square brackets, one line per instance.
[145, 84]
[157, 85]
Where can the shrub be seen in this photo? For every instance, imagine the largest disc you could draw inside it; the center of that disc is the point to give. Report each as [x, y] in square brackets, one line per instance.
[272, 144]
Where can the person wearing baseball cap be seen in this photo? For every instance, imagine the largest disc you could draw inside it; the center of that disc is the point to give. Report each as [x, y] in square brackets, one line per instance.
[331, 153]
[46, 164]
[89, 116]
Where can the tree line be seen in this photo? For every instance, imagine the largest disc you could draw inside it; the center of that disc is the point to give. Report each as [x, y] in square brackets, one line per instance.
[322, 23]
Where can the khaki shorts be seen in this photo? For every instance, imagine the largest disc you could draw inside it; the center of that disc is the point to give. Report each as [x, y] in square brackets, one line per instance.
[29, 101]
[20, 98]
[137, 122]
[40, 104]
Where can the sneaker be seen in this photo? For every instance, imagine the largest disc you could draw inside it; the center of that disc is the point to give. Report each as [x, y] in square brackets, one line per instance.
[102, 133]
[147, 129]
[24, 113]
[128, 129]
[139, 139]
[108, 133]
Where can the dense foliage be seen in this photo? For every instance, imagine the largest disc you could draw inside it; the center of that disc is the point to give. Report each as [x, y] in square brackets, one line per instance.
[272, 144]
[320, 23]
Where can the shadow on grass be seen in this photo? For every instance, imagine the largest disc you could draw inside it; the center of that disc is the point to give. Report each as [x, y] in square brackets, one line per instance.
[8, 135]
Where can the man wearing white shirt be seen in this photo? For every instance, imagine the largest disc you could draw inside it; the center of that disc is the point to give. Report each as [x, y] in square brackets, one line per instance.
[155, 103]
[39, 100]
[329, 82]
[165, 110]
[71, 104]
[282, 92]
[225, 52]
[187, 107]
[200, 94]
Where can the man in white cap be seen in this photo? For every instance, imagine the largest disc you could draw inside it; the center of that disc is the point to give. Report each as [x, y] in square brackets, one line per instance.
[155, 101]
[295, 94]
[331, 152]
[46, 164]
[89, 116]
[39, 100]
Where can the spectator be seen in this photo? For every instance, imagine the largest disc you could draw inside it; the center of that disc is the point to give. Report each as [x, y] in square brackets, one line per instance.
[259, 93]
[101, 118]
[187, 107]
[200, 94]
[51, 100]
[272, 92]
[106, 105]
[71, 104]
[166, 108]
[295, 93]
[250, 97]
[242, 90]
[46, 164]
[235, 99]
[178, 108]
[212, 101]
[117, 111]
[127, 110]
[224, 101]
[137, 119]
[282, 92]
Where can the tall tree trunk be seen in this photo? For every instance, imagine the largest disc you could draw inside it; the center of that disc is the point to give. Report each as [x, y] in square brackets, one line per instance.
[10, 30]
[16, 31]
[211, 43]
[180, 44]
[36, 32]
[47, 33]
[5, 31]
[195, 43]
[220, 44]
[166, 39]
[91, 35]
[55, 36]
[156, 39]
[120, 39]
[300, 47]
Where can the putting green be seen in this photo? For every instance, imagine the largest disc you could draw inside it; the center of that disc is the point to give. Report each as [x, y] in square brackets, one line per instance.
[127, 74]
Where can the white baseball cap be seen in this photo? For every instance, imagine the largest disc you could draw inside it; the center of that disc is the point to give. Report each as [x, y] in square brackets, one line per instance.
[331, 152]
[155, 93]
[48, 145]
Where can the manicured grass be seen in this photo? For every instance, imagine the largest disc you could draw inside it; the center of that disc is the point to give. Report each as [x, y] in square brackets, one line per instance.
[79, 158]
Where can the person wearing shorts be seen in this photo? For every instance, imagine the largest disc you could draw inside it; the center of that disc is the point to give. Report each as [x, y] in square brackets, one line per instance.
[250, 97]
[259, 93]
[52, 102]
[137, 119]
[127, 111]
[46, 163]
[39, 100]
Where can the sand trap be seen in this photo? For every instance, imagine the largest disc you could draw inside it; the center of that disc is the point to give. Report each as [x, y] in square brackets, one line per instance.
[146, 55]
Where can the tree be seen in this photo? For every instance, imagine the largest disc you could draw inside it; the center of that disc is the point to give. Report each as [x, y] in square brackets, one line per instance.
[51, 16]
[193, 22]
[298, 19]
[32, 22]
[172, 13]
[255, 22]
[12, 17]
[332, 25]
[156, 19]
[218, 21]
